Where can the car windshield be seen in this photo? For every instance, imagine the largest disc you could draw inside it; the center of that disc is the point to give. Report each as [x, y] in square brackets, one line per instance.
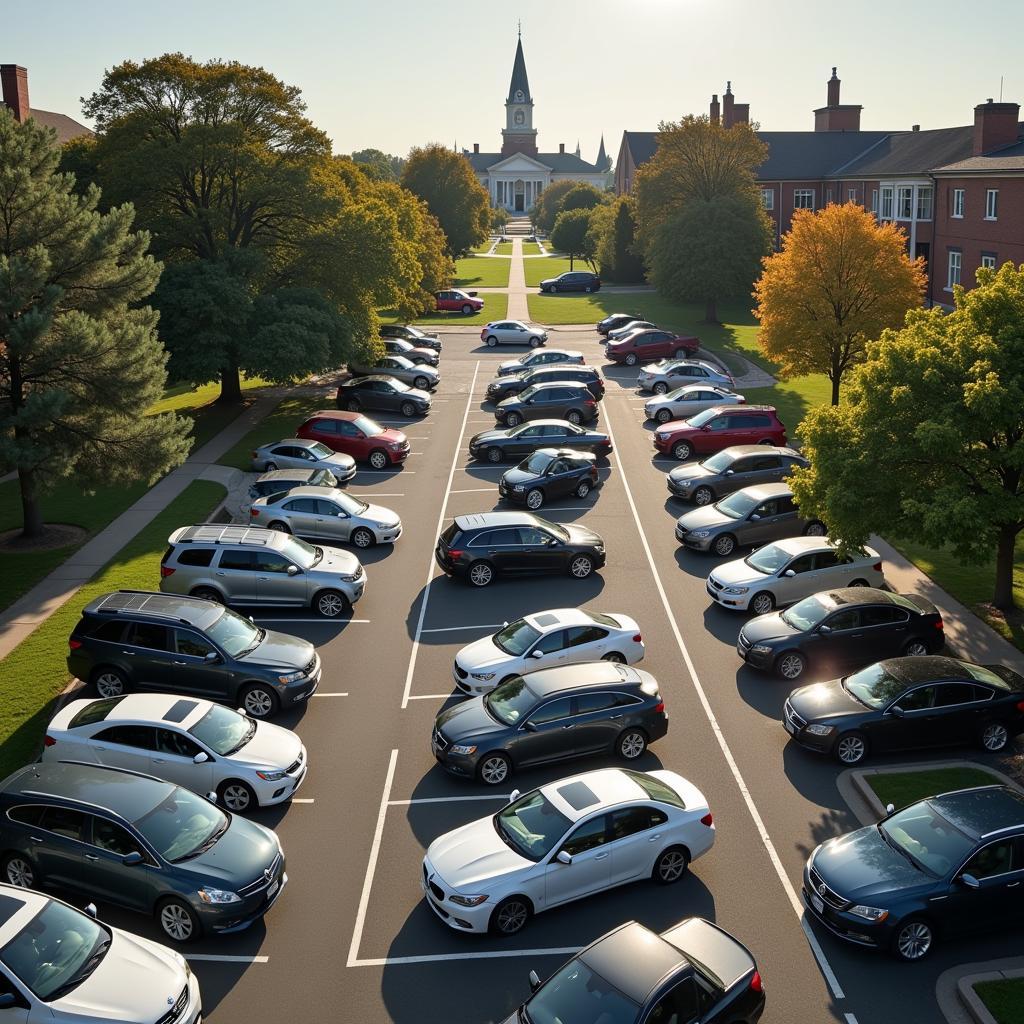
[926, 838]
[323, 478]
[57, 950]
[718, 463]
[224, 731]
[805, 614]
[529, 392]
[183, 825]
[369, 427]
[874, 686]
[321, 451]
[737, 505]
[561, 533]
[406, 364]
[536, 463]
[681, 393]
[702, 417]
[301, 553]
[399, 385]
[353, 506]
[516, 638]
[578, 995]
[233, 633]
[531, 826]
[769, 559]
[510, 702]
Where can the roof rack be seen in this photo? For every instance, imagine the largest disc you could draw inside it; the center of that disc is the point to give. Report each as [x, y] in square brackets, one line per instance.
[116, 604]
[225, 533]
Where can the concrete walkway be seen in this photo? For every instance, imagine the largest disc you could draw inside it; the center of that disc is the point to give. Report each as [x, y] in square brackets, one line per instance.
[518, 308]
[955, 988]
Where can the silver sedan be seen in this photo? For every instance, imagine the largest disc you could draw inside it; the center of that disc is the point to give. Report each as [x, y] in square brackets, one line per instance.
[513, 332]
[634, 325]
[327, 514]
[683, 402]
[417, 375]
[662, 377]
[401, 347]
[300, 453]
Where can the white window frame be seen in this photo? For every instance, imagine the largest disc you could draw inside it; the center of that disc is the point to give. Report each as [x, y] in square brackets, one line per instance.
[828, 197]
[988, 259]
[768, 198]
[958, 203]
[874, 201]
[888, 197]
[904, 202]
[991, 204]
[803, 193]
[954, 268]
[851, 195]
[925, 202]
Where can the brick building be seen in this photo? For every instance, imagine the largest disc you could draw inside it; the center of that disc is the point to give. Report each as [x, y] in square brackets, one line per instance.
[14, 83]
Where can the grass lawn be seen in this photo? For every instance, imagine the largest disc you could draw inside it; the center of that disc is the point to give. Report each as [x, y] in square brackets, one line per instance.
[550, 266]
[495, 306]
[34, 673]
[482, 272]
[792, 398]
[1004, 999]
[201, 405]
[503, 249]
[286, 418]
[531, 249]
[902, 788]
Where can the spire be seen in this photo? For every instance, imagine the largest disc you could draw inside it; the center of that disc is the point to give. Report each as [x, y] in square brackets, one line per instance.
[577, 147]
[602, 159]
[519, 80]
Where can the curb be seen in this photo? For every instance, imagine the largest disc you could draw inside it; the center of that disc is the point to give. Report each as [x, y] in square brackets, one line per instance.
[972, 1002]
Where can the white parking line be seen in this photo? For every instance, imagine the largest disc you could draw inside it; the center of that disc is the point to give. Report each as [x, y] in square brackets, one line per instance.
[302, 800]
[430, 696]
[850, 1019]
[455, 629]
[223, 959]
[330, 694]
[472, 490]
[787, 885]
[397, 961]
[448, 799]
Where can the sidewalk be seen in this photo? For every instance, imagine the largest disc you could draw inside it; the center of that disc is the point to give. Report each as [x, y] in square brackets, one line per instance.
[954, 990]
[518, 309]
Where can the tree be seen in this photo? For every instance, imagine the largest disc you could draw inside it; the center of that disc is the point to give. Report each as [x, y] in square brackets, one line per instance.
[929, 443]
[549, 205]
[379, 165]
[572, 235]
[499, 218]
[615, 230]
[581, 197]
[446, 182]
[701, 182]
[839, 280]
[80, 362]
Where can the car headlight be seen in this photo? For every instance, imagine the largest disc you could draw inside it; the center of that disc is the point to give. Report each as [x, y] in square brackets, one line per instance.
[736, 590]
[761, 649]
[463, 748]
[394, 446]
[820, 730]
[274, 776]
[482, 675]
[468, 901]
[874, 914]
[661, 437]
[291, 677]
[683, 483]
[208, 895]
[519, 487]
[386, 526]
[701, 533]
[349, 577]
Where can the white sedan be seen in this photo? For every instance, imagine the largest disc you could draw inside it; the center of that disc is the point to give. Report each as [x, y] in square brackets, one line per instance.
[563, 841]
[684, 402]
[191, 742]
[562, 636]
[513, 332]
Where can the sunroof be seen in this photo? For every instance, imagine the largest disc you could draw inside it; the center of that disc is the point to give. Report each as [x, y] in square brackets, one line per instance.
[578, 795]
[180, 710]
[547, 619]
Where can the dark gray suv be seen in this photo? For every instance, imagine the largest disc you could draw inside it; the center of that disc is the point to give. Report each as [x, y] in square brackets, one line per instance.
[559, 399]
[134, 639]
[139, 843]
[730, 469]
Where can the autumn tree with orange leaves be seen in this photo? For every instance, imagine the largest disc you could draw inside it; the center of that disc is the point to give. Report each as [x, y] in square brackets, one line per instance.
[839, 280]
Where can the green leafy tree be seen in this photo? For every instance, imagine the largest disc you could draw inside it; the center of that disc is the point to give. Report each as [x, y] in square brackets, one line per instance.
[928, 445]
[581, 197]
[80, 361]
[446, 182]
[572, 235]
[499, 218]
[549, 205]
[615, 230]
[379, 165]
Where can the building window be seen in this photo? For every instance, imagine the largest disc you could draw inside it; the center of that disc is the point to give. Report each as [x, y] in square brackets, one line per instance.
[958, 203]
[803, 199]
[924, 202]
[905, 202]
[953, 273]
[991, 204]
[874, 201]
[988, 259]
[851, 195]
[887, 203]
[768, 198]
[828, 197]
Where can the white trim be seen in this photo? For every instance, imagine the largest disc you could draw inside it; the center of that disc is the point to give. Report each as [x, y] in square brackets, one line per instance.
[961, 194]
[991, 204]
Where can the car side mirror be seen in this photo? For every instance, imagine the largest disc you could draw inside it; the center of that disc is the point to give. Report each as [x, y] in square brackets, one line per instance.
[211, 657]
[293, 570]
[513, 796]
[131, 859]
[341, 515]
[534, 981]
[754, 518]
[90, 909]
[790, 573]
[536, 654]
[896, 711]
[890, 808]
[970, 881]
[564, 857]
[212, 797]
[241, 711]
[529, 727]
[729, 472]
[824, 630]
[201, 758]
[9, 999]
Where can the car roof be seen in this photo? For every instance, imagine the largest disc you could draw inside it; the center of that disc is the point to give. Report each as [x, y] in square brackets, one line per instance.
[286, 474]
[566, 453]
[298, 442]
[634, 960]
[924, 669]
[227, 533]
[763, 492]
[311, 492]
[559, 368]
[176, 608]
[479, 520]
[706, 945]
[853, 596]
[17, 907]
[579, 795]
[370, 376]
[547, 681]
[801, 545]
[332, 414]
[183, 712]
[556, 618]
[562, 384]
[694, 362]
[557, 351]
[982, 810]
[736, 451]
[546, 423]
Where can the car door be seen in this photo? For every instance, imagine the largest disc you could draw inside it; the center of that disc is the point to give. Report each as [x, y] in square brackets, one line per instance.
[998, 868]
[838, 641]
[548, 652]
[885, 629]
[351, 440]
[61, 854]
[597, 719]
[124, 746]
[274, 584]
[785, 521]
[686, 1003]
[528, 439]
[547, 733]
[742, 473]
[199, 673]
[958, 712]
[302, 516]
[635, 835]
[792, 581]
[236, 572]
[540, 551]
[332, 522]
[108, 877]
[590, 870]
[559, 479]
[761, 523]
[174, 760]
[501, 548]
[908, 722]
[148, 645]
[715, 435]
[21, 1006]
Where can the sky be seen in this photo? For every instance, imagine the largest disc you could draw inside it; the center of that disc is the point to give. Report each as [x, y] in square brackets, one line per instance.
[392, 74]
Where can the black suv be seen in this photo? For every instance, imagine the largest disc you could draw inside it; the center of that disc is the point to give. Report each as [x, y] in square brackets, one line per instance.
[572, 281]
[550, 473]
[504, 387]
[551, 715]
[559, 399]
[134, 639]
[482, 546]
[405, 332]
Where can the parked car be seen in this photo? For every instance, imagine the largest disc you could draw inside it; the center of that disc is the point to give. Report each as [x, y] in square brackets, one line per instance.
[940, 868]
[550, 473]
[358, 436]
[279, 480]
[480, 547]
[330, 515]
[514, 383]
[614, 321]
[683, 402]
[789, 570]
[634, 976]
[62, 965]
[565, 400]
[454, 300]
[401, 347]
[415, 336]
[643, 345]
[494, 874]
[752, 516]
[562, 636]
[732, 468]
[663, 376]
[905, 704]
[510, 443]
[188, 741]
[532, 360]
[246, 565]
[572, 281]
[512, 332]
[139, 843]
[720, 427]
[637, 324]
[416, 375]
[303, 453]
[841, 629]
[384, 394]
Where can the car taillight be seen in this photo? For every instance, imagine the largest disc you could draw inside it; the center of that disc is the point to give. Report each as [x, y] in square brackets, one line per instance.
[707, 820]
[659, 708]
[254, 455]
[637, 638]
[938, 624]
[253, 511]
[48, 741]
[756, 985]
[74, 644]
[589, 401]
[877, 567]
[454, 553]
[165, 571]
[742, 401]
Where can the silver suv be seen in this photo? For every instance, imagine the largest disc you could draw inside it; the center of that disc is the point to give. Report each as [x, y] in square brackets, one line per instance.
[247, 565]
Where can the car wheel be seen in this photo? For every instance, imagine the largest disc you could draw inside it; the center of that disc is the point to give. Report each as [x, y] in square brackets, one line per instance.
[661, 388]
[535, 498]
[494, 455]
[815, 529]
[494, 769]
[330, 603]
[915, 649]
[762, 603]
[859, 583]
[467, 309]
[851, 748]
[790, 665]
[671, 865]
[363, 538]
[408, 409]
[581, 566]
[680, 353]
[631, 744]
[207, 594]
[178, 921]
[378, 458]
[768, 441]
[236, 796]
[491, 341]
[703, 496]
[683, 450]
[913, 940]
[421, 382]
[553, 288]
[511, 915]
[616, 657]
[631, 359]
[19, 871]
[574, 416]
[481, 574]
[259, 701]
[270, 467]
[513, 419]
[352, 405]
[994, 736]
[279, 526]
[109, 682]
[588, 289]
[535, 343]
[583, 489]
[663, 415]
[725, 545]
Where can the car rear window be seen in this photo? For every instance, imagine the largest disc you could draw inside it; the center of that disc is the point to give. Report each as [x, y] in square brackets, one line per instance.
[95, 711]
[195, 556]
[449, 535]
[656, 789]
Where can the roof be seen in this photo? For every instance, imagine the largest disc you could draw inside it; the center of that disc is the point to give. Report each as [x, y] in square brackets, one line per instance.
[554, 618]
[157, 707]
[578, 795]
[910, 153]
[764, 492]
[982, 810]
[67, 128]
[568, 677]
[640, 145]
[218, 533]
[711, 948]
[479, 520]
[634, 960]
[1009, 158]
[923, 669]
[738, 450]
[519, 79]
[809, 156]
[565, 163]
[17, 908]
[191, 610]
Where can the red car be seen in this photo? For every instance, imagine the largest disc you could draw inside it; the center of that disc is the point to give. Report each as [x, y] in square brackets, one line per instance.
[646, 345]
[357, 435]
[720, 427]
[455, 301]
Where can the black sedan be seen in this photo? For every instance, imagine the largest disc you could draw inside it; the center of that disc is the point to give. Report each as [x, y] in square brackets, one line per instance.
[906, 703]
[550, 473]
[693, 971]
[500, 444]
[614, 321]
[943, 867]
[841, 629]
[516, 383]
[572, 281]
[382, 393]
[421, 339]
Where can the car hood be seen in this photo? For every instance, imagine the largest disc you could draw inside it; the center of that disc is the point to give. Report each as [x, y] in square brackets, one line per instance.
[549, 280]
[581, 535]
[466, 720]
[510, 366]
[489, 435]
[339, 459]
[238, 858]
[768, 627]
[693, 472]
[281, 649]
[271, 746]
[512, 400]
[422, 368]
[479, 654]
[737, 571]
[380, 514]
[337, 561]
[819, 701]
[518, 476]
[391, 435]
[862, 865]
[705, 517]
[474, 856]
[417, 394]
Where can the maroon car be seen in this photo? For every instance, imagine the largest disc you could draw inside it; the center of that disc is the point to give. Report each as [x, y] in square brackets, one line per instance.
[720, 427]
[357, 435]
[456, 301]
[647, 345]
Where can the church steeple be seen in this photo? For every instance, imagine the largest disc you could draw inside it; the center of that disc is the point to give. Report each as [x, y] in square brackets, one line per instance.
[520, 84]
[519, 135]
[602, 163]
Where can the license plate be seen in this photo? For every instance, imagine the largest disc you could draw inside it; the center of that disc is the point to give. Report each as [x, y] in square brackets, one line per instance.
[273, 889]
[817, 904]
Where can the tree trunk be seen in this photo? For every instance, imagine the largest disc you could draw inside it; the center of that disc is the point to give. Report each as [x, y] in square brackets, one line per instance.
[1003, 597]
[230, 386]
[835, 390]
[711, 311]
[31, 513]
[570, 260]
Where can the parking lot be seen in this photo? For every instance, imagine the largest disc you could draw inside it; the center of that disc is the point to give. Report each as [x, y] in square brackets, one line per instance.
[351, 936]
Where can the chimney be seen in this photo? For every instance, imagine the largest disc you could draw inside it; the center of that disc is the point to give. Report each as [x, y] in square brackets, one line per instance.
[476, 147]
[995, 125]
[836, 116]
[14, 80]
[915, 127]
[741, 113]
[561, 147]
[715, 112]
[727, 111]
[833, 90]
